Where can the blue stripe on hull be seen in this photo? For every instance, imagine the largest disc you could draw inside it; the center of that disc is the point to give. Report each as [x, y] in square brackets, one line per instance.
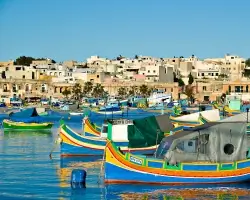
[89, 134]
[114, 173]
[67, 149]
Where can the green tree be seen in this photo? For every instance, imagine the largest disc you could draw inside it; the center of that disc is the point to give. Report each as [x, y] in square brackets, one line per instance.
[66, 93]
[98, 91]
[190, 79]
[143, 90]
[189, 91]
[23, 60]
[133, 91]
[181, 82]
[136, 56]
[247, 62]
[88, 87]
[175, 77]
[246, 72]
[77, 92]
[122, 91]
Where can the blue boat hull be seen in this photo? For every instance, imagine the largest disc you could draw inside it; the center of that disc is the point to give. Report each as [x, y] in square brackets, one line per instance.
[114, 174]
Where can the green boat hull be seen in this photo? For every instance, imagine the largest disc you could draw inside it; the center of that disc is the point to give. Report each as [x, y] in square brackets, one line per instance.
[13, 126]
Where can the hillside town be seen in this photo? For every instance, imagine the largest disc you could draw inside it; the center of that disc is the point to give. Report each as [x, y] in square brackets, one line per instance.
[45, 78]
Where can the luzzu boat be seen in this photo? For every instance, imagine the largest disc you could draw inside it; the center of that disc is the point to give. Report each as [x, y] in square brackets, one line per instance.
[207, 154]
[192, 120]
[91, 129]
[230, 112]
[74, 144]
[140, 136]
[7, 124]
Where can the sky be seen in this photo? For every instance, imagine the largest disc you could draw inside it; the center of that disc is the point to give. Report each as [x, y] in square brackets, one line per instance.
[76, 29]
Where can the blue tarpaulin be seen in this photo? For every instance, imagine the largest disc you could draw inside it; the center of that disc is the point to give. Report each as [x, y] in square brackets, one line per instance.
[28, 115]
[29, 112]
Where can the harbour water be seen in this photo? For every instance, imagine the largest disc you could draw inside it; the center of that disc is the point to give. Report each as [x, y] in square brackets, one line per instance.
[27, 172]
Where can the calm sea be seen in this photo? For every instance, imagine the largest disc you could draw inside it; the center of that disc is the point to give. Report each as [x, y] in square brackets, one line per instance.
[27, 172]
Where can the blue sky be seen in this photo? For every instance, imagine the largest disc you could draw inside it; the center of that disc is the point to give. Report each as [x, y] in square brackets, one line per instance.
[77, 29]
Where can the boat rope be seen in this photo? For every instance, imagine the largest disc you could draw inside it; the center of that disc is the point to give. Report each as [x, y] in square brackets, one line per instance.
[57, 141]
[156, 142]
[103, 161]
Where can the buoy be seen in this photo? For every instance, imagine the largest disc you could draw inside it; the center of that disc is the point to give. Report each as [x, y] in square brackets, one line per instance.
[78, 178]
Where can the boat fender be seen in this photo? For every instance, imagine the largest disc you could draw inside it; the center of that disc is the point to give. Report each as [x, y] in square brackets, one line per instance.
[78, 178]
[59, 140]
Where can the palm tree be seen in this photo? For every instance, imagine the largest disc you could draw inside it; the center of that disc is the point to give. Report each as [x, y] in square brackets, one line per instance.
[66, 93]
[133, 91]
[143, 90]
[122, 91]
[77, 92]
[98, 91]
[88, 87]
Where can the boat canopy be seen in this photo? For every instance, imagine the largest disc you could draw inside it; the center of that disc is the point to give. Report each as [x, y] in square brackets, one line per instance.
[212, 142]
[148, 131]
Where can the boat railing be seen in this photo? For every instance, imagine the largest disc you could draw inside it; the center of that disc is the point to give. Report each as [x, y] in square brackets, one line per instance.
[121, 121]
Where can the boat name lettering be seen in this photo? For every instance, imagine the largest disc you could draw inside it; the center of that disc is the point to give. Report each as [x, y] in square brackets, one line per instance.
[135, 160]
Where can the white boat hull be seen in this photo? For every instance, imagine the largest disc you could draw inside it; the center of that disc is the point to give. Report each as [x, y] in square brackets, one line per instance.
[110, 112]
[75, 114]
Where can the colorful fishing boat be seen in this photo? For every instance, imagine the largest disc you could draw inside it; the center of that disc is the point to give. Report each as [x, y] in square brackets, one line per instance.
[74, 144]
[230, 112]
[91, 129]
[7, 124]
[140, 136]
[207, 154]
[192, 120]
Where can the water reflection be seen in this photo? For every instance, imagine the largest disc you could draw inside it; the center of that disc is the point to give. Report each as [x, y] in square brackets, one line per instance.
[190, 192]
[90, 163]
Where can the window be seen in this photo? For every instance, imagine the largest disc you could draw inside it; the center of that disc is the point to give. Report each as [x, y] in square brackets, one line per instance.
[19, 87]
[23, 76]
[202, 74]
[190, 143]
[229, 88]
[154, 71]
[204, 88]
[217, 74]
[7, 69]
[148, 71]
[237, 88]
[247, 88]
[97, 76]
[228, 149]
